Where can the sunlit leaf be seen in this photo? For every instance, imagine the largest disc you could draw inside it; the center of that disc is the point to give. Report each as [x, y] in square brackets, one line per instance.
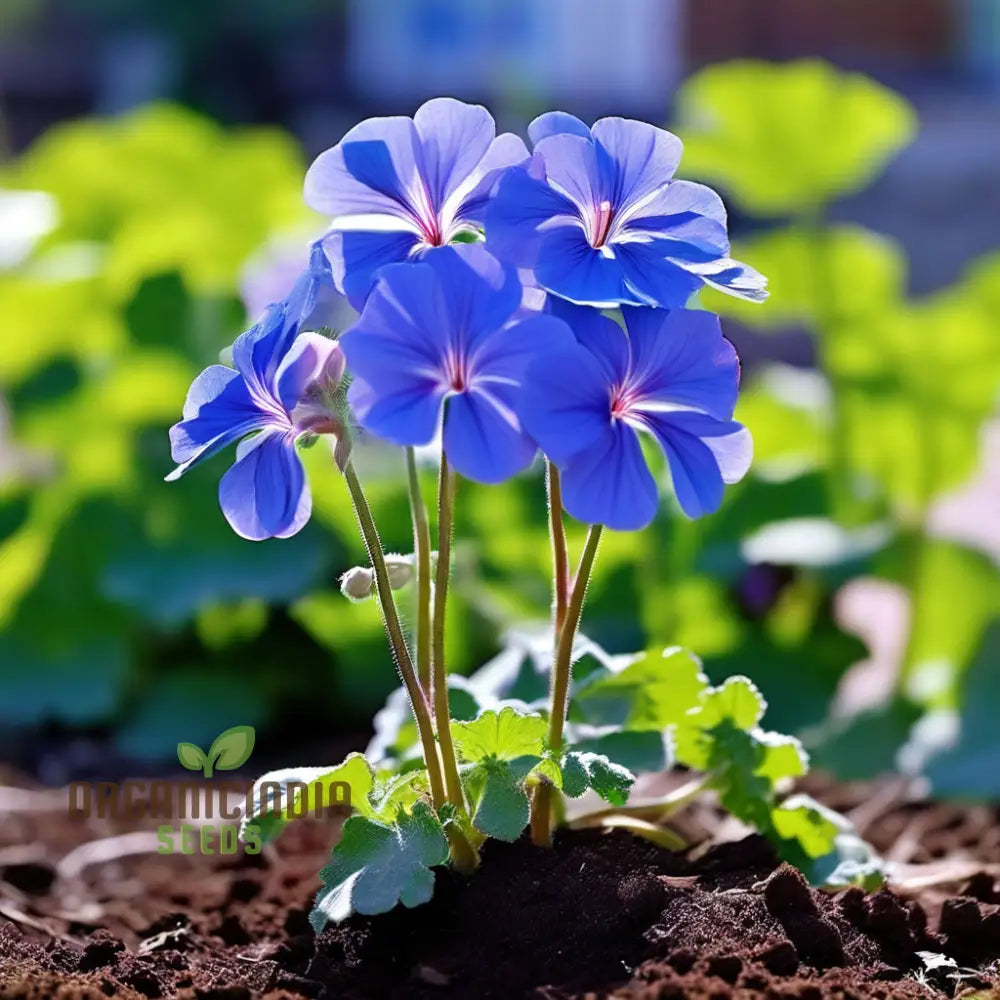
[915, 385]
[281, 796]
[787, 137]
[654, 692]
[800, 820]
[505, 735]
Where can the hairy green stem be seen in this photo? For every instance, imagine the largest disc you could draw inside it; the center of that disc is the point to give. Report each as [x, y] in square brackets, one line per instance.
[557, 532]
[442, 711]
[397, 641]
[422, 549]
[562, 669]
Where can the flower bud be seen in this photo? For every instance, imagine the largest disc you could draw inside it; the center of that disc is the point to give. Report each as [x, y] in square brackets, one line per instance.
[333, 371]
[400, 569]
[357, 584]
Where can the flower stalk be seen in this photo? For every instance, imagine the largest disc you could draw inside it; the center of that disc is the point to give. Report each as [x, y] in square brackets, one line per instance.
[562, 670]
[442, 710]
[394, 630]
[557, 532]
[422, 548]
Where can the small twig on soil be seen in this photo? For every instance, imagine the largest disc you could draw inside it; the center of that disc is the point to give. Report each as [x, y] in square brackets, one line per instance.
[912, 879]
[908, 842]
[23, 800]
[97, 852]
[661, 835]
[12, 892]
[19, 917]
[880, 804]
[21, 854]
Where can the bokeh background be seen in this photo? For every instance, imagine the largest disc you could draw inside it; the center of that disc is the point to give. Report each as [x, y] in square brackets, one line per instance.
[151, 160]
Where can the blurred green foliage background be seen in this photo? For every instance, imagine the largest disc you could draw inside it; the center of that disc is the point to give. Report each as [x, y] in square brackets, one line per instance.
[129, 611]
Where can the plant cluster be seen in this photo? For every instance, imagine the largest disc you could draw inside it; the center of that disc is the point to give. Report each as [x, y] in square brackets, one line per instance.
[123, 243]
[509, 303]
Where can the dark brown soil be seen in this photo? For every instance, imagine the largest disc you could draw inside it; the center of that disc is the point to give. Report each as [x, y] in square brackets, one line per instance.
[601, 915]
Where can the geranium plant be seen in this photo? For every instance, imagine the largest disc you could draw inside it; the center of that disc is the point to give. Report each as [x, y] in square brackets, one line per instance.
[509, 303]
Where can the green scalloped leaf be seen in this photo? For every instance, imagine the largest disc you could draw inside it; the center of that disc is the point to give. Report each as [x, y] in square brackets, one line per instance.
[505, 735]
[313, 783]
[377, 865]
[652, 693]
[798, 819]
[737, 699]
[582, 771]
[502, 810]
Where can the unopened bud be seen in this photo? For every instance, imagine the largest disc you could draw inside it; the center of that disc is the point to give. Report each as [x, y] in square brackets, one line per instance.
[333, 371]
[357, 584]
[400, 570]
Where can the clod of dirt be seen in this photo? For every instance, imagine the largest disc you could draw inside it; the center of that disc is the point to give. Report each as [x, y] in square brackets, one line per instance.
[816, 939]
[971, 930]
[101, 951]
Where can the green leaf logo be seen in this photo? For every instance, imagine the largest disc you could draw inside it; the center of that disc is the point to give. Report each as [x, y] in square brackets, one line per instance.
[229, 750]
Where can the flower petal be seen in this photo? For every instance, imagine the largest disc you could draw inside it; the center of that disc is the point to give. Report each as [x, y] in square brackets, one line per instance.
[565, 402]
[703, 455]
[651, 279]
[483, 438]
[454, 138]
[733, 278]
[602, 337]
[314, 299]
[376, 169]
[479, 293]
[644, 157]
[218, 410]
[469, 201]
[680, 356]
[610, 483]
[569, 266]
[521, 205]
[405, 412]
[357, 257]
[265, 494]
[399, 333]
[556, 123]
[504, 357]
[579, 169]
[304, 363]
[396, 350]
[258, 352]
[689, 213]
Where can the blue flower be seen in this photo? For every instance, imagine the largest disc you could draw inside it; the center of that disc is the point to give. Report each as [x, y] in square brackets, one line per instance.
[599, 218]
[274, 393]
[672, 375]
[396, 187]
[449, 328]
